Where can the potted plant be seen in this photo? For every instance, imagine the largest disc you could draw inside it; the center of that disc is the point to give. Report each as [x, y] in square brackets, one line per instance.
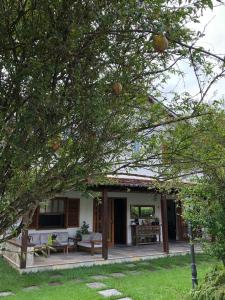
[54, 237]
[83, 231]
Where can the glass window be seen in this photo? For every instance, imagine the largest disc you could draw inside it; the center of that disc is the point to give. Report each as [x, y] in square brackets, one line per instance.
[142, 211]
[146, 212]
[52, 214]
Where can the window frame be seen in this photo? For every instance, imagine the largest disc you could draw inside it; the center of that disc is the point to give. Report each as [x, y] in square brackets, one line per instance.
[139, 210]
[35, 224]
[52, 213]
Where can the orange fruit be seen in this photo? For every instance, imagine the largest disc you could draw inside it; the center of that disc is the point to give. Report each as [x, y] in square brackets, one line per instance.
[55, 146]
[117, 88]
[160, 43]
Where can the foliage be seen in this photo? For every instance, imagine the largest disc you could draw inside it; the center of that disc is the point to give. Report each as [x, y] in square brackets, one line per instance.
[84, 228]
[204, 206]
[213, 286]
[60, 121]
[195, 151]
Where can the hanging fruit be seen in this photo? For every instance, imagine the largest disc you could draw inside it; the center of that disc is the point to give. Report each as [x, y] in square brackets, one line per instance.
[55, 145]
[117, 88]
[160, 43]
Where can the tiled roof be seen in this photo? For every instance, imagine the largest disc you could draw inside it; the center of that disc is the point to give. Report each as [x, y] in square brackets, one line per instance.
[132, 182]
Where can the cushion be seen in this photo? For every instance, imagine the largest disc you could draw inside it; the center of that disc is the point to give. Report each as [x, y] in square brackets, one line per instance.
[96, 236]
[62, 237]
[88, 245]
[35, 238]
[45, 237]
[86, 237]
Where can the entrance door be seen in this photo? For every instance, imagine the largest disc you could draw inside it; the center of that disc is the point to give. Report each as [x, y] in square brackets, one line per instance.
[171, 215]
[120, 221]
[97, 219]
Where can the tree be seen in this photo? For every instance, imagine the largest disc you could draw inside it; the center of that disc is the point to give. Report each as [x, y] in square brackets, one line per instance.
[60, 120]
[195, 151]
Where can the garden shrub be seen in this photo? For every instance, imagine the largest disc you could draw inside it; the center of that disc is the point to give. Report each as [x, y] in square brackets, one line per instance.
[213, 287]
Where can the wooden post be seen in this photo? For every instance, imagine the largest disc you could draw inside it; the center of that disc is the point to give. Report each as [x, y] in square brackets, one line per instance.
[24, 240]
[105, 222]
[165, 238]
[179, 221]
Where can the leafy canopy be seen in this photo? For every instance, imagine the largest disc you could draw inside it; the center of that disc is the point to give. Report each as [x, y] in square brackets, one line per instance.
[60, 121]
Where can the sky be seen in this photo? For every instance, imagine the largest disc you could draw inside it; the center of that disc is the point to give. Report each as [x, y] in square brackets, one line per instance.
[214, 40]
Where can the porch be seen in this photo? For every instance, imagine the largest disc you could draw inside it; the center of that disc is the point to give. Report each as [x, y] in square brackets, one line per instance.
[58, 261]
[123, 210]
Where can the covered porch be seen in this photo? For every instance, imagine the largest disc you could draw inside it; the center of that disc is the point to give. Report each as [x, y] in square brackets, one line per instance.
[57, 261]
[121, 241]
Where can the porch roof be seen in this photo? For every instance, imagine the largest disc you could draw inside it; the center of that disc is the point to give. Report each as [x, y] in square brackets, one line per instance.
[131, 183]
[125, 183]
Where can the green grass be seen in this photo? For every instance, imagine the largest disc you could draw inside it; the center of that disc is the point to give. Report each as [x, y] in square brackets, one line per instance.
[172, 282]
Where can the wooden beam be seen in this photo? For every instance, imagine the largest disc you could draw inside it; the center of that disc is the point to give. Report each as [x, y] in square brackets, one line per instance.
[105, 224]
[164, 218]
[24, 240]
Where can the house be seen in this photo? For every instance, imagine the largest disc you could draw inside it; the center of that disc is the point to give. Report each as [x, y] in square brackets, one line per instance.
[123, 201]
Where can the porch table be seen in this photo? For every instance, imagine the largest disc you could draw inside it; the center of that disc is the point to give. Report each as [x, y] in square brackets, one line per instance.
[57, 246]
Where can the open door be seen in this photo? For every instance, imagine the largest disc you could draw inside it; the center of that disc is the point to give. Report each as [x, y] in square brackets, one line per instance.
[171, 216]
[97, 219]
[120, 221]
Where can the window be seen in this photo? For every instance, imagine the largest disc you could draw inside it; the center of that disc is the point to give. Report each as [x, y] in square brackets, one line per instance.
[142, 211]
[57, 213]
[52, 214]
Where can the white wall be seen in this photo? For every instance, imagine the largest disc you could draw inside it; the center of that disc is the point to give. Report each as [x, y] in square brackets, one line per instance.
[138, 199]
[86, 208]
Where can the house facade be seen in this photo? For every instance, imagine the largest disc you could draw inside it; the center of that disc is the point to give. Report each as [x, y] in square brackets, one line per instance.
[127, 198]
[130, 213]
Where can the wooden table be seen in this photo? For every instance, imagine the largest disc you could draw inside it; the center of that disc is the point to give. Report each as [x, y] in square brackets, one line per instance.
[58, 246]
[143, 234]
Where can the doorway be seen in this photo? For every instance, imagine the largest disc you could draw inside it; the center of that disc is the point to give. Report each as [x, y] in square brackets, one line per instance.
[171, 216]
[117, 215]
[120, 221]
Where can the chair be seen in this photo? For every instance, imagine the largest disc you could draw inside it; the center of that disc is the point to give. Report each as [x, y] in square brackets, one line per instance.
[91, 242]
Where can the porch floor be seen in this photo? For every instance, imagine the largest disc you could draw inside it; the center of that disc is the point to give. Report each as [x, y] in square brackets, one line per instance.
[116, 255]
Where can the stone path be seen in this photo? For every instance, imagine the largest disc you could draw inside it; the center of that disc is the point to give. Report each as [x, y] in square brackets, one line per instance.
[31, 288]
[118, 274]
[110, 293]
[6, 293]
[107, 293]
[101, 287]
[96, 285]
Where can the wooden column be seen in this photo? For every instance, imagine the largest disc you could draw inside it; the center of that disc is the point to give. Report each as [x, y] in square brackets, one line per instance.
[24, 240]
[179, 221]
[165, 239]
[105, 224]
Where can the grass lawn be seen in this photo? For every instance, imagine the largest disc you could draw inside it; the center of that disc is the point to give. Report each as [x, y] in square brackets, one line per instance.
[165, 278]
